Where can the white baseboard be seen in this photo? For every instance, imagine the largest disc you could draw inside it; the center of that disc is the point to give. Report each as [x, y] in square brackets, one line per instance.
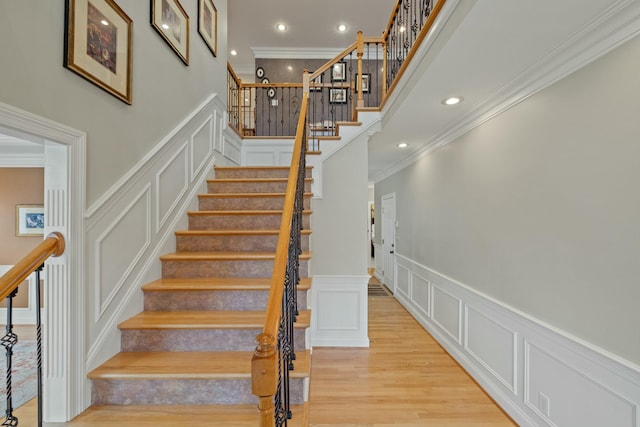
[538, 374]
[339, 311]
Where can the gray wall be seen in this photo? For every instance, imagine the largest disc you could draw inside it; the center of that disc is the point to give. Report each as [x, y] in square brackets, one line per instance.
[339, 220]
[539, 207]
[165, 91]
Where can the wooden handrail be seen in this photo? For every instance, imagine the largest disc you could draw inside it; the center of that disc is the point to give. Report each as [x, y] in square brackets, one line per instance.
[265, 85]
[264, 362]
[53, 245]
[423, 33]
[392, 19]
[353, 46]
[233, 74]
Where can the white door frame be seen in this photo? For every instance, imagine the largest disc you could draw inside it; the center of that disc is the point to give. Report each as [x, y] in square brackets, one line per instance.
[388, 247]
[66, 389]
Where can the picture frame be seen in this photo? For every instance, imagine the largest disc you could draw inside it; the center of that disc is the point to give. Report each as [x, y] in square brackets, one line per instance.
[208, 24]
[98, 45]
[170, 20]
[339, 72]
[366, 79]
[316, 85]
[29, 220]
[337, 96]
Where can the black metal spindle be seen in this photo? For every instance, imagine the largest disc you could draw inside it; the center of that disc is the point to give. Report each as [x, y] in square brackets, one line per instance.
[9, 340]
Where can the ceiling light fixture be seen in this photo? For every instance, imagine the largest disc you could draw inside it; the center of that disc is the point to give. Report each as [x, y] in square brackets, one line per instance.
[452, 100]
[233, 52]
[403, 145]
[281, 27]
[342, 28]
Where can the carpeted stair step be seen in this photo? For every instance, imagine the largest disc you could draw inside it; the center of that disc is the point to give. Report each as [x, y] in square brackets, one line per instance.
[232, 240]
[240, 220]
[178, 415]
[252, 185]
[200, 330]
[213, 294]
[246, 201]
[255, 171]
[185, 378]
[224, 264]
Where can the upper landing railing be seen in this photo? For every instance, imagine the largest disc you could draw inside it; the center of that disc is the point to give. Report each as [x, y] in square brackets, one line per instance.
[361, 77]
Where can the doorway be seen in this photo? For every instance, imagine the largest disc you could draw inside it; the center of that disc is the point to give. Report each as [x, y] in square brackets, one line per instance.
[388, 240]
[66, 391]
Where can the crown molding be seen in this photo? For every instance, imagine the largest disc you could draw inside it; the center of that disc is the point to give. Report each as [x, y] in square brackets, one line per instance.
[618, 24]
[295, 53]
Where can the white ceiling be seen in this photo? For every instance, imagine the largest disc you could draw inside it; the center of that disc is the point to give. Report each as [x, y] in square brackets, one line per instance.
[492, 53]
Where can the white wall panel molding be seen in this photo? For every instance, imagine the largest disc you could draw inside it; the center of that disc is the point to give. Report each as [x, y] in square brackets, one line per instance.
[231, 149]
[267, 152]
[339, 311]
[119, 248]
[201, 143]
[26, 315]
[172, 182]
[538, 374]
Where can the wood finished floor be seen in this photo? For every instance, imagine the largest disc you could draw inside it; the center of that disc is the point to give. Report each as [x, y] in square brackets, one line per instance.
[405, 379]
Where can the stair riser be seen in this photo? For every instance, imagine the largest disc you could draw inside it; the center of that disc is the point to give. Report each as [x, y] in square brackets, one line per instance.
[197, 340]
[181, 392]
[251, 187]
[211, 300]
[245, 203]
[240, 222]
[231, 268]
[233, 243]
[254, 173]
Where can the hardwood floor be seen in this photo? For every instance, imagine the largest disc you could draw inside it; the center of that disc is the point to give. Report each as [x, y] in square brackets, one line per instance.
[405, 379]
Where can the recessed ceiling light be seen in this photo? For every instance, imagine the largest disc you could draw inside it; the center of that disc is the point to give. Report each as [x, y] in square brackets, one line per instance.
[281, 27]
[342, 28]
[403, 145]
[233, 52]
[452, 100]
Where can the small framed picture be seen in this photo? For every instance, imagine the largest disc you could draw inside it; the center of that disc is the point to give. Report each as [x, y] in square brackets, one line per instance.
[170, 20]
[98, 44]
[316, 85]
[208, 24]
[366, 78]
[339, 72]
[337, 96]
[29, 220]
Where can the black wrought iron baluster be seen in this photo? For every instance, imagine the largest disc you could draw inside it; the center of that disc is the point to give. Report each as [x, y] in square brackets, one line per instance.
[9, 340]
[39, 343]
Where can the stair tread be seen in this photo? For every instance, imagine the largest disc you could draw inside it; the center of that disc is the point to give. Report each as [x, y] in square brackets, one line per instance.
[247, 195]
[232, 232]
[224, 256]
[182, 415]
[244, 212]
[204, 320]
[217, 283]
[194, 365]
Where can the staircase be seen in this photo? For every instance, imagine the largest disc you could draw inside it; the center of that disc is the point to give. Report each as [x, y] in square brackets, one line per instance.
[193, 343]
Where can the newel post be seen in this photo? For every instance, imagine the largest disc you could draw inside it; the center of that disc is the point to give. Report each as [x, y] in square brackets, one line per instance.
[360, 47]
[264, 378]
[305, 82]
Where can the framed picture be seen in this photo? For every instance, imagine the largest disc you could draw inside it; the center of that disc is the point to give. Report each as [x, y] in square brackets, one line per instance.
[172, 23]
[316, 85]
[208, 24]
[337, 96]
[366, 78]
[339, 72]
[98, 45]
[29, 220]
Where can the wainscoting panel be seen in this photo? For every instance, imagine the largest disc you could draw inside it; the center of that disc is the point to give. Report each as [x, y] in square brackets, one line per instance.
[134, 222]
[492, 345]
[539, 375]
[267, 152]
[171, 184]
[339, 311]
[402, 281]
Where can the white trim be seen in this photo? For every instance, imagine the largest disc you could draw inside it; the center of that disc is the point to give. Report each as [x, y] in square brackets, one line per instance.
[21, 160]
[22, 315]
[573, 373]
[295, 53]
[71, 387]
[339, 311]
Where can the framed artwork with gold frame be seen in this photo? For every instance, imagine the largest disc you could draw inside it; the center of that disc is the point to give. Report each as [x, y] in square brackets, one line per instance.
[170, 20]
[98, 45]
[208, 24]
